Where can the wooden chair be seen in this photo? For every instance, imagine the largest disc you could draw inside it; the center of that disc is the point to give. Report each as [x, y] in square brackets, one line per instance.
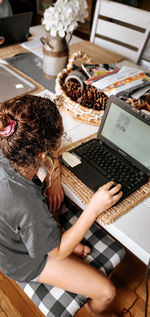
[120, 28]
[106, 255]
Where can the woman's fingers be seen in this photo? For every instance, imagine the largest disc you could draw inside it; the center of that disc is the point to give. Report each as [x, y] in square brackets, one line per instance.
[57, 201]
[54, 203]
[117, 197]
[50, 203]
[115, 189]
[62, 194]
[108, 185]
[112, 190]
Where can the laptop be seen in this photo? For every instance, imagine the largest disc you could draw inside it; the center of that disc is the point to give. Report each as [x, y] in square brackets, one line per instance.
[15, 29]
[13, 84]
[121, 151]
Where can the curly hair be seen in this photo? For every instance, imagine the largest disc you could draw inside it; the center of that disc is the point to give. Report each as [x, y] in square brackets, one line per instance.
[38, 128]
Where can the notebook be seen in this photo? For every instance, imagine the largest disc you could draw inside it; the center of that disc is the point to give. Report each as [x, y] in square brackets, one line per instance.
[121, 151]
[15, 29]
[12, 84]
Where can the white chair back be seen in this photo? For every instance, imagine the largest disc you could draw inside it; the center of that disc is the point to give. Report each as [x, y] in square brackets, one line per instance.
[120, 28]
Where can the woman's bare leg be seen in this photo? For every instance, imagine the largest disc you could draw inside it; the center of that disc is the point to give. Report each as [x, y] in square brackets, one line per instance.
[74, 275]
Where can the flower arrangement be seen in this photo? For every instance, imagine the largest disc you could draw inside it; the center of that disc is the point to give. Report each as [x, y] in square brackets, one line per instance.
[62, 18]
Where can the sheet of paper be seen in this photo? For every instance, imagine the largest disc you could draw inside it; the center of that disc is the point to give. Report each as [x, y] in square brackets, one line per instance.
[124, 82]
[121, 74]
[71, 159]
[140, 92]
[34, 46]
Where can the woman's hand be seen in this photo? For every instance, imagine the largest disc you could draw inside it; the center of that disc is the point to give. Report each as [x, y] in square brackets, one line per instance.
[53, 190]
[55, 194]
[104, 198]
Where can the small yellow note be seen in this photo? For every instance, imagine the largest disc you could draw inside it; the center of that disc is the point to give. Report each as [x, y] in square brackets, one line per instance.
[71, 159]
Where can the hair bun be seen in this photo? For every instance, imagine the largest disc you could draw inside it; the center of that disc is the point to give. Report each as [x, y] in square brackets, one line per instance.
[7, 125]
[3, 121]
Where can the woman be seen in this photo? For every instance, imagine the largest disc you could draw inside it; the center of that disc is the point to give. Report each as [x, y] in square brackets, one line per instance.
[30, 244]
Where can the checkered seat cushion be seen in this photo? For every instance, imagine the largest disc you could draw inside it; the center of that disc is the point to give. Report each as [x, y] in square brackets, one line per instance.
[106, 255]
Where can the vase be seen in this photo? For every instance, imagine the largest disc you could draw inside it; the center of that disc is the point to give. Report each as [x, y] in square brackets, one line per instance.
[55, 55]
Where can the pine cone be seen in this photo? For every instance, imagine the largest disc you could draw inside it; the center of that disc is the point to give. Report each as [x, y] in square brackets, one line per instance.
[89, 97]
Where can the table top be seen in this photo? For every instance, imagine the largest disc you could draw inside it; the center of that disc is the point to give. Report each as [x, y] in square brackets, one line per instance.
[132, 229]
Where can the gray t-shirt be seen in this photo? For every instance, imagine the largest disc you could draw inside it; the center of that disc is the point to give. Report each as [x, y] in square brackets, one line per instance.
[5, 9]
[28, 230]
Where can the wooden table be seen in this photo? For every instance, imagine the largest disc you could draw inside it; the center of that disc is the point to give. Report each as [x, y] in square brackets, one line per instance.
[9, 51]
[98, 54]
[101, 55]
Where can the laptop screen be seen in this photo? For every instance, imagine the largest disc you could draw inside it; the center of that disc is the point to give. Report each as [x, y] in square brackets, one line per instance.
[128, 133]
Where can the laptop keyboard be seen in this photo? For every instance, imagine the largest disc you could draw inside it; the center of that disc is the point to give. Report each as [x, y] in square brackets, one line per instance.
[110, 165]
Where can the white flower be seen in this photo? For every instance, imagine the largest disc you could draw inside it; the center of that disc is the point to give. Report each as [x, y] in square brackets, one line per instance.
[64, 15]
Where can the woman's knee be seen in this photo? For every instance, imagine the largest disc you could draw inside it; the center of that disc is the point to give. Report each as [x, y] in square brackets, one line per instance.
[108, 292]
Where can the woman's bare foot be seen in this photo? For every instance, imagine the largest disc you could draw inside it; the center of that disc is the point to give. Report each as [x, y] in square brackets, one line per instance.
[81, 250]
[104, 314]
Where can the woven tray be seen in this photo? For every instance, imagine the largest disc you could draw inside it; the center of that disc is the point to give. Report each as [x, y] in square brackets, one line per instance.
[74, 109]
[84, 194]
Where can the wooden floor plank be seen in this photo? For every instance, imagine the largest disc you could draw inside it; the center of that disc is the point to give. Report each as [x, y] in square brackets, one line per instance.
[2, 313]
[19, 299]
[7, 306]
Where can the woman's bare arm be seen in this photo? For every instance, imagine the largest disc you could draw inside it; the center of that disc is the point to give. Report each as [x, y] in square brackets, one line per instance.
[104, 198]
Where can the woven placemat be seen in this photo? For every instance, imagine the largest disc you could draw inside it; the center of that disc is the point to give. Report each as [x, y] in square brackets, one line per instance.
[85, 194]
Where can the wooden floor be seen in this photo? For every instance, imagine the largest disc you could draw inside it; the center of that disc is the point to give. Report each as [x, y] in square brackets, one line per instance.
[126, 277]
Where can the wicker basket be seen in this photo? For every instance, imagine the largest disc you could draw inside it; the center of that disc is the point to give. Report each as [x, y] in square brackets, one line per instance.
[78, 111]
[74, 109]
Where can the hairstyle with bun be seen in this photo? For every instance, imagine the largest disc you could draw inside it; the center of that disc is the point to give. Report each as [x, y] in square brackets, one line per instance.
[29, 125]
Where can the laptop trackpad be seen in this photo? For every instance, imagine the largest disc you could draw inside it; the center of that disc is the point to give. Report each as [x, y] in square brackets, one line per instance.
[89, 176]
